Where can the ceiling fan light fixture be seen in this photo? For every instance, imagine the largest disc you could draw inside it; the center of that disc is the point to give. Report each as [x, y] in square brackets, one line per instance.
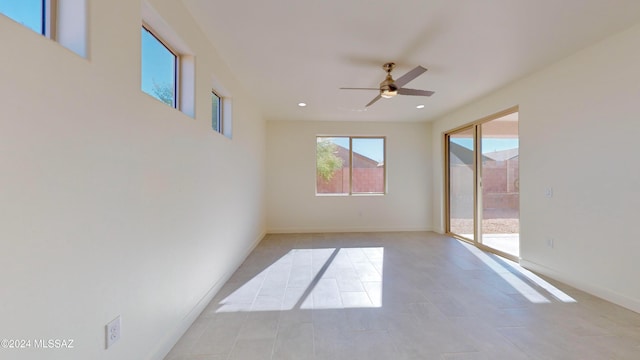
[388, 94]
[388, 91]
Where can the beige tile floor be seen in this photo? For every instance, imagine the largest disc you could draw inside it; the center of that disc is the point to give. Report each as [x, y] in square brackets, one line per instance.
[414, 295]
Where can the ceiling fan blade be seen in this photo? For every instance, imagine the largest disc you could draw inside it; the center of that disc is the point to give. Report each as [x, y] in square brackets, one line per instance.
[360, 89]
[405, 91]
[374, 100]
[404, 79]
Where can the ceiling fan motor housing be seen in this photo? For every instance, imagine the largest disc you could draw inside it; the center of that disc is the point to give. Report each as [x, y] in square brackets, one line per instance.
[388, 88]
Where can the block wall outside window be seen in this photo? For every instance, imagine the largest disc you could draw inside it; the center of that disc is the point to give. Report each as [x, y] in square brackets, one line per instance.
[350, 165]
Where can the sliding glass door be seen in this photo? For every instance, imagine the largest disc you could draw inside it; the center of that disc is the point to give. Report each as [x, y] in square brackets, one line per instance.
[500, 184]
[483, 183]
[462, 176]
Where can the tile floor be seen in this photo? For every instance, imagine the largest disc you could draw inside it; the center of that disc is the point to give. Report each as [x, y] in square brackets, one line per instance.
[397, 296]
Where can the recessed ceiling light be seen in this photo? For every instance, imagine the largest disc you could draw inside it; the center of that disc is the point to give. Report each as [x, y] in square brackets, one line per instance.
[420, 107]
[302, 104]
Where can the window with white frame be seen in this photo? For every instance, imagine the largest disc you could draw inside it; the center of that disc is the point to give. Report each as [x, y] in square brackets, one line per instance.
[350, 165]
[159, 69]
[216, 112]
[34, 14]
[221, 108]
[64, 21]
[167, 63]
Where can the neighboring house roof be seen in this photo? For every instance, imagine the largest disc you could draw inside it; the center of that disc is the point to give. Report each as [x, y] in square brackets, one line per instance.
[502, 155]
[463, 155]
[359, 160]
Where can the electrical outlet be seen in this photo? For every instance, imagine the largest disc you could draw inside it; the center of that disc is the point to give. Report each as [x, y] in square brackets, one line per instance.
[113, 331]
[548, 192]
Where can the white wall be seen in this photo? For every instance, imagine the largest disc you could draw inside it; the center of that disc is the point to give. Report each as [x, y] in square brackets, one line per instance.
[291, 175]
[112, 203]
[579, 129]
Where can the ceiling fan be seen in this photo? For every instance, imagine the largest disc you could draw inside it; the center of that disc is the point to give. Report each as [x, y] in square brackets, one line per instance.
[390, 88]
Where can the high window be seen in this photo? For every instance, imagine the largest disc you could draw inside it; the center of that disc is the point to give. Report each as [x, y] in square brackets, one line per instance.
[349, 165]
[159, 69]
[30, 13]
[167, 63]
[216, 112]
[64, 21]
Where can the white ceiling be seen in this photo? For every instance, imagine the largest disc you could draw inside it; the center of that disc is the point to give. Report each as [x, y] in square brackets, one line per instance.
[288, 51]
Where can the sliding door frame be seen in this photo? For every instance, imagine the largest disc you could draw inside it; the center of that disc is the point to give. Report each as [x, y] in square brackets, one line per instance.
[477, 177]
[447, 182]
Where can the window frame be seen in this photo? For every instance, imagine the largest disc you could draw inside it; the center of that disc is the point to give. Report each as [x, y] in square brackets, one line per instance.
[47, 19]
[176, 67]
[65, 22]
[216, 119]
[351, 163]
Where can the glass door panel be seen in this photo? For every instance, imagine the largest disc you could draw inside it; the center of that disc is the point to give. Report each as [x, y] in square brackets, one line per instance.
[500, 210]
[461, 160]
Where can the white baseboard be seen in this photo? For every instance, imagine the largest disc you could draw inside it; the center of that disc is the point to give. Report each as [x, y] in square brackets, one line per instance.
[172, 338]
[604, 293]
[312, 230]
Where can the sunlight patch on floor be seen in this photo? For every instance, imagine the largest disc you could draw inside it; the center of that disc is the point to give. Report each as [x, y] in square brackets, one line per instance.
[522, 287]
[554, 291]
[516, 282]
[328, 278]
